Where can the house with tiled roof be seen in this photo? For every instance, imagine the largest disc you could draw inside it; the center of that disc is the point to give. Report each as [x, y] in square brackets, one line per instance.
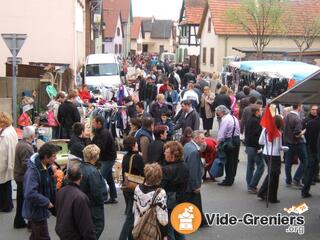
[157, 36]
[220, 39]
[124, 7]
[189, 21]
[113, 34]
[55, 31]
[136, 36]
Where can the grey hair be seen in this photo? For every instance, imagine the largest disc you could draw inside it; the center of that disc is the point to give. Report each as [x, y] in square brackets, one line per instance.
[29, 131]
[222, 109]
[197, 133]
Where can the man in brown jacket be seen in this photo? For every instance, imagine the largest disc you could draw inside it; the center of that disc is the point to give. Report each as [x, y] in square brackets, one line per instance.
[74, 219]
[24, 150]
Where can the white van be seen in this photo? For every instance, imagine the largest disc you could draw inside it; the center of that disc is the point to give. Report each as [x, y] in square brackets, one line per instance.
[102, 70]
[170, 56]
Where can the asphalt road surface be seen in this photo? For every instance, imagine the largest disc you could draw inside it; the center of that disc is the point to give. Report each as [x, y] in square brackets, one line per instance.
[216, 199]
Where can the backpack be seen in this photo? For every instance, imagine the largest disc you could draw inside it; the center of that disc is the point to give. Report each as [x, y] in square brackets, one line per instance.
[148, 226]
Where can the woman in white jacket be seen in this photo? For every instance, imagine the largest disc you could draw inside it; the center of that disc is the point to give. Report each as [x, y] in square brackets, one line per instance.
[274, 172]
[8, 142]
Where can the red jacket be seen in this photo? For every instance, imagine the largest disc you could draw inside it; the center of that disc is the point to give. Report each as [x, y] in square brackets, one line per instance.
[210, 153]
[84, 95]
[163, 89]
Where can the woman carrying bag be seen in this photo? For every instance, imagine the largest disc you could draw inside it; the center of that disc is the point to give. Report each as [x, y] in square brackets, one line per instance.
[132, 165]
[150, 206]
[207, 114]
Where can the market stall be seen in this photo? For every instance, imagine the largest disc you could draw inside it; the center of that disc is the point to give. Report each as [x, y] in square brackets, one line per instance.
[275, 76]
[306, 92]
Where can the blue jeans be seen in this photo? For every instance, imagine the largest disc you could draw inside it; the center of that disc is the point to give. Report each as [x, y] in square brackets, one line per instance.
[309, 172]
[301, 151]
[254, 158]
[106, 172]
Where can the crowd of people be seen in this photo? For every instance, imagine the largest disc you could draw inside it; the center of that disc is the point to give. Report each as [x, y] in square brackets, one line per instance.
[163, 146]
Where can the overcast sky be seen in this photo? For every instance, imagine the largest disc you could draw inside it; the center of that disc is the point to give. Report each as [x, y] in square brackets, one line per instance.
[160, 9]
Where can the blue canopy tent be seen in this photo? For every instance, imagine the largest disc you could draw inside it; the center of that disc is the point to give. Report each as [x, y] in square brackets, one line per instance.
[292, 70]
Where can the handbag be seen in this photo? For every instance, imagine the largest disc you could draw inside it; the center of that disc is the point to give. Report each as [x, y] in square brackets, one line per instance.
[217, 167]
[51, 120]
[130, 181]
[24, 120]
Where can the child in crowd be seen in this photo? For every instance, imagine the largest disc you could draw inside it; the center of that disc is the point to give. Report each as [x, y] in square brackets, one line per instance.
[58, 175]
[165, 120]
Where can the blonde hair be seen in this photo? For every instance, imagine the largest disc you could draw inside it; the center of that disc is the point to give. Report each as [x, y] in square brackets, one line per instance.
[206, 88]
[153, 174]
[91, 153]
[160, 97]
[5, 119]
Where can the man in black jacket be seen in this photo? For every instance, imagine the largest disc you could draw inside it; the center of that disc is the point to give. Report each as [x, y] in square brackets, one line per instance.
[187, 117]
[68, 114]
[155, 148]
[313, 114]
[73, 210]
[253, 149]
[312, 167]
[149, 92]
[77, 143]
[108, 154]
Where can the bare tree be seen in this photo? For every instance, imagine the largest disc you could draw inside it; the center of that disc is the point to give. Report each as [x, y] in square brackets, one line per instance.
[260, 19]
[310, 31]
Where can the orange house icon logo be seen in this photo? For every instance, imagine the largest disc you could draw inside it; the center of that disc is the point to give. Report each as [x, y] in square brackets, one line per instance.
[186, 218]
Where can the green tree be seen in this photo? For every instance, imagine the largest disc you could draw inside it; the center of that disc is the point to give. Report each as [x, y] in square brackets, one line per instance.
[260, 19]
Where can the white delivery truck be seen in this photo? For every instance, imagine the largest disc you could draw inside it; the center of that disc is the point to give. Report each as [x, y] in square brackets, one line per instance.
[102, 70]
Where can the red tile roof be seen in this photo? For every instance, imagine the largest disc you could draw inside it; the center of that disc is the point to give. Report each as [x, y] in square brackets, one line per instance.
[193, 11]
[298, 9]
[122, 6]
[110, 19]
[135, 28]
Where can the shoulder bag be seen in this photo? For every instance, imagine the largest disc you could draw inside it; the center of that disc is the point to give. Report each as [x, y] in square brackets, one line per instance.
[148, 227]
[130, 181]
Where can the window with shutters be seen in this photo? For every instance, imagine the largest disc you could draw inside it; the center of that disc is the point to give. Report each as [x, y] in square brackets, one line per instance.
[211, 56]
[116, 48]
[204, 55]
[209, 24]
